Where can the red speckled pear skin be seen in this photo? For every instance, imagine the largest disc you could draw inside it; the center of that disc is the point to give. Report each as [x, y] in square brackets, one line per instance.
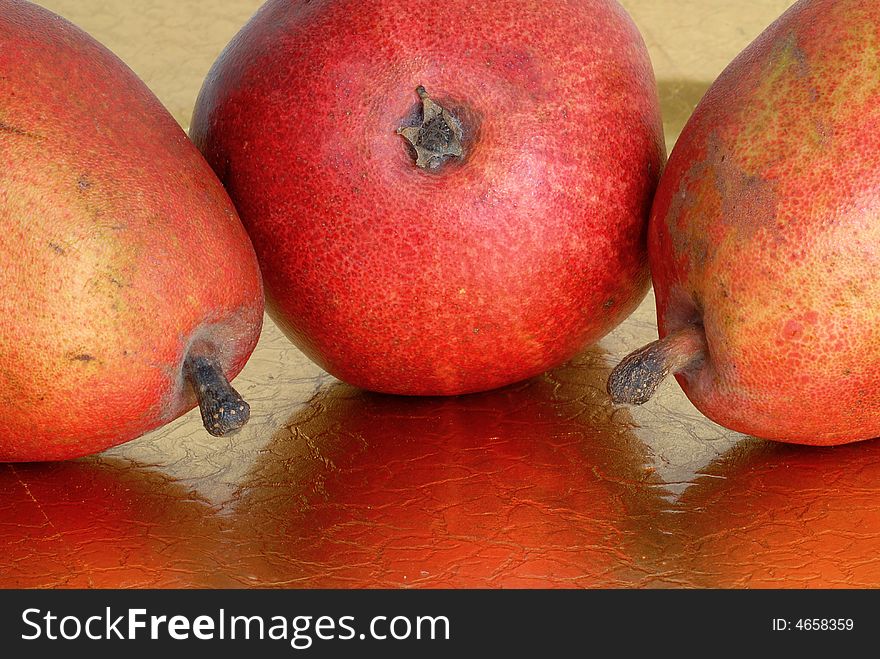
[120, 249]
[488, 270]
[766, 227]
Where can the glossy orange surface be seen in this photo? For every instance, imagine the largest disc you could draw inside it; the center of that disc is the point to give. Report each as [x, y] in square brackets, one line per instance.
[542, 484]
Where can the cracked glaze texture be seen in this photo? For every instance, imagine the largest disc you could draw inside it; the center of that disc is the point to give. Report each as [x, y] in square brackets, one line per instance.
[541, 484]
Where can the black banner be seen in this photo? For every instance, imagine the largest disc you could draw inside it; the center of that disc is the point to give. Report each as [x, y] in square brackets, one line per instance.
[432, 623]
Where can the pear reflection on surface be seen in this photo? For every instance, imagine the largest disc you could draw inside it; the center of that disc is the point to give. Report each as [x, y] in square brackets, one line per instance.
[103, 523]
[528, 486]
[776, 516]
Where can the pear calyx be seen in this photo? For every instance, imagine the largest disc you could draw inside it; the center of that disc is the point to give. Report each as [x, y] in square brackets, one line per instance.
[439, 136]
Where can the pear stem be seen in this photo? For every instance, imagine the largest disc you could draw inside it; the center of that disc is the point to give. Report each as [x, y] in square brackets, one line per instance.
[224, 411]
[635, 379]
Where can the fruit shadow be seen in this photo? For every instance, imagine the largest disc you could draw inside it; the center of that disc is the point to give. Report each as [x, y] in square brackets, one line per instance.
[103, 523]
[541, 484]
[771, 515]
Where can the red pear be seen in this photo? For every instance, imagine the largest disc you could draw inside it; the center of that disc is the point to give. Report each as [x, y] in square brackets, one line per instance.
[129, 286]
[445, 197]
[765, 242]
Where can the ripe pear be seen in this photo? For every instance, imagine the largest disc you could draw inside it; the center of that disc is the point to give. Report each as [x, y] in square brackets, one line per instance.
[129, 289]
[445, 198]
[764, 237]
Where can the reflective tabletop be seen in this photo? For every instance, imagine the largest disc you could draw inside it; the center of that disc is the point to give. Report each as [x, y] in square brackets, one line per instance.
[544, 483]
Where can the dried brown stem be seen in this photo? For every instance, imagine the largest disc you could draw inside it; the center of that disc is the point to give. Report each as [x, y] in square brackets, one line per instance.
[637, 377]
